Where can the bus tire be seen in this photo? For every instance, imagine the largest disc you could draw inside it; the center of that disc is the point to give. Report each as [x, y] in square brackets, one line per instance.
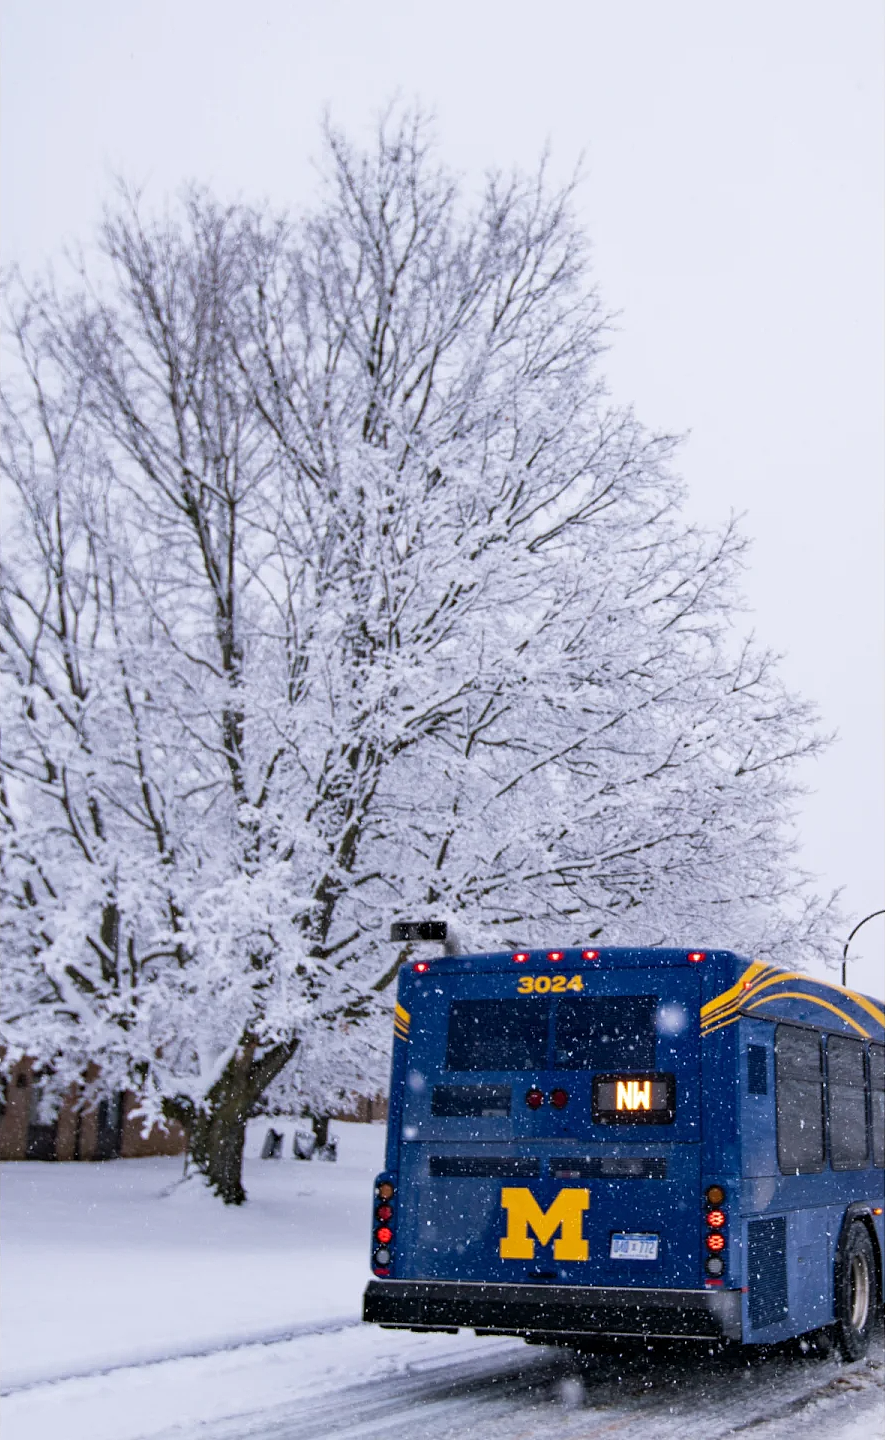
[856, 1292]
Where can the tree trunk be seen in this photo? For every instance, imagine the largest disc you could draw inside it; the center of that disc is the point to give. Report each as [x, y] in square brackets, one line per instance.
[216, 1132]
[216, 1149]
[320, 1124]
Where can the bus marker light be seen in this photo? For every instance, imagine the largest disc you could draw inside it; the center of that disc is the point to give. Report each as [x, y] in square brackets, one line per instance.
[559, 1099]
[696, 957]
[384, 1234]
[555, 955]
[715, 1195]
[535, 1098]
[878, 1210]
[714, 1282]
[716, 1218]
[715, 1242]
[385, 1190]
[521, 957]
[591, 955]
[421, 966]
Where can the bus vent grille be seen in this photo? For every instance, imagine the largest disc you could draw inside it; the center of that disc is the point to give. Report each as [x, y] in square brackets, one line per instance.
[767, 1284]
[498, 1167]
[608, 1167]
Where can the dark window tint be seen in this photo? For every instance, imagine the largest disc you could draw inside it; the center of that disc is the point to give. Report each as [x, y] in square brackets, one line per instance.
[606, 1032]
[497, 1035]
[799, 1128]
[876, 1070]
[848, 1140]
[757, 1070]
[472, 1100]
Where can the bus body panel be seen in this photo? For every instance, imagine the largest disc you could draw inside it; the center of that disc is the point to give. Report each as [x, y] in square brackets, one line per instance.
[486, 1199]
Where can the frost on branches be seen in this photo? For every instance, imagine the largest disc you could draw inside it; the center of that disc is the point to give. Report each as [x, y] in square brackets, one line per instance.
[334, 589]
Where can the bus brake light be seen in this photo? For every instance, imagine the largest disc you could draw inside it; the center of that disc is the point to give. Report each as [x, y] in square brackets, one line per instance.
[715, 1241]
[716, 1219]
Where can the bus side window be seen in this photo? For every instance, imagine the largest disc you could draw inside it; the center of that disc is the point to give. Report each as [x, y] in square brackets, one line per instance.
[876, 1070]
[848, 1139]
[757, 1070]
[800, 1133]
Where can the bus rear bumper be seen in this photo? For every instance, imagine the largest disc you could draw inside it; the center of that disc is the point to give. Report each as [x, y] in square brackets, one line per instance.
[554, 1310]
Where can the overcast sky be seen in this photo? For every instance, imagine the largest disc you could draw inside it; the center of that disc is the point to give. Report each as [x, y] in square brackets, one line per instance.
[733, 189]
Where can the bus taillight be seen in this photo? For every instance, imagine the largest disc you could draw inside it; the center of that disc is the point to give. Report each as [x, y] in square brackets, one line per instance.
[383, 1227]
[715, 1240]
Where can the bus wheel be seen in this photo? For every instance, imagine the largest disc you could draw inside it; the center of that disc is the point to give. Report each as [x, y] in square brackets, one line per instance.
[855, 1293]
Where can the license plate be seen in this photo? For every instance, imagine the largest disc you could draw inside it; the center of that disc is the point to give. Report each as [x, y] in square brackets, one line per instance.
[634, 1247]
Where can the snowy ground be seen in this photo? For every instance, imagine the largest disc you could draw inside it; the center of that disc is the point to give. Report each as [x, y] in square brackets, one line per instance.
[134, 1311]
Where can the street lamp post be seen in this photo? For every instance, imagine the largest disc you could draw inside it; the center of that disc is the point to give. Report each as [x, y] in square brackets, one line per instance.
[849, 938]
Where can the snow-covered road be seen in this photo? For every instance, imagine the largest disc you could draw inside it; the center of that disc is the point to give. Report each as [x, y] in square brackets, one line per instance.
[356, 1383]
[135, 1309]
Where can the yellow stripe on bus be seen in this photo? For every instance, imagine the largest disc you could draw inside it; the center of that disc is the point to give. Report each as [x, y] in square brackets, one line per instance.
[739, 996]
[722, 1001]
[826, 1005]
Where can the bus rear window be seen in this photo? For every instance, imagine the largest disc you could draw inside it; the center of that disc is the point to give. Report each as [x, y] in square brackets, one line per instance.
[497, 1035]
[605, 1032]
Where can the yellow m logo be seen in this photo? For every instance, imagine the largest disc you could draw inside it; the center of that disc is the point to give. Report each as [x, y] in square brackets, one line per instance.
[564, 1213]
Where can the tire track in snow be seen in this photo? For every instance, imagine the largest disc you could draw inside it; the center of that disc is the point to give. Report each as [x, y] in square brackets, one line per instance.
[551, 1395]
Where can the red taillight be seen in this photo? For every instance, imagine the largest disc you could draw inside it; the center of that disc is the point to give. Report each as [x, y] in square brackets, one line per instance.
[535, 1098]
[715, 1242]
[520, 957]
[384, 1234]
[421, 966]
[384, 1212]
[716, 1219]
[591, 954]
[559, 1099]
[696, 957]
[555, 955]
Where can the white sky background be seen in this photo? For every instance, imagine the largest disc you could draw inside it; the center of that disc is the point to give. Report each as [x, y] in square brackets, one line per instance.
[734, 190]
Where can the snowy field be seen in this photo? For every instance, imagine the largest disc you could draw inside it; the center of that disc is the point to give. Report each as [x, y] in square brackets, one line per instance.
[136, 1309]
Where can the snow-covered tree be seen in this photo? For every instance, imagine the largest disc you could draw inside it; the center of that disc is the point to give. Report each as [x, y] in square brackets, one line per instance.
[334, 590]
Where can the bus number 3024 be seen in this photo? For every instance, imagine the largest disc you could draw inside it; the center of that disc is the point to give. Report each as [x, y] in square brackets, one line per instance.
[541, 984]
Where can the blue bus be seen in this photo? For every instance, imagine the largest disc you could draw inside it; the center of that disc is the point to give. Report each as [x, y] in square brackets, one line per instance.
[631, 1142]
